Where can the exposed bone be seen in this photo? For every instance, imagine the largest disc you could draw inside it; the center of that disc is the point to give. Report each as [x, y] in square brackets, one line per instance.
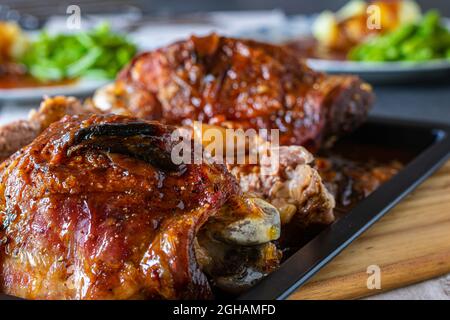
[234, 248]
[239, 282]
[256, 229]
[260, 227]
[256, 269]
[234, 268]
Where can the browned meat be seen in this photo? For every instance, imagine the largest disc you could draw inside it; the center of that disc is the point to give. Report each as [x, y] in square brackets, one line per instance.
[94, 208]
[295, 188]
[238, 84]
[15, 135]
[18, 134]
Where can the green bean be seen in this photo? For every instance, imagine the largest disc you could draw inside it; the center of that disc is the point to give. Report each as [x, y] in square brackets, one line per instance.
[99, 53]
[426, 40]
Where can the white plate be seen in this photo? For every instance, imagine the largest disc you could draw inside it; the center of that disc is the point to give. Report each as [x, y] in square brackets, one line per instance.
[382, 72]
[386, 72]
[83, 87]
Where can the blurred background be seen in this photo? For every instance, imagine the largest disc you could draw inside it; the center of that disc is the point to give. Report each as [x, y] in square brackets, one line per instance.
[39, 11]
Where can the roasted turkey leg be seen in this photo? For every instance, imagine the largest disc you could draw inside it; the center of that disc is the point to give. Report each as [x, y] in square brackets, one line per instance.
[238, 83]
[93, 209]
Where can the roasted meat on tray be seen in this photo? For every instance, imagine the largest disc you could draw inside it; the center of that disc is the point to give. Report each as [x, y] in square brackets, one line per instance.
[295, 188]
[94, 208]
[238, 84]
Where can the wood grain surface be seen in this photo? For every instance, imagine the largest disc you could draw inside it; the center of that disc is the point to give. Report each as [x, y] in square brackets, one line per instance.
[410, 244]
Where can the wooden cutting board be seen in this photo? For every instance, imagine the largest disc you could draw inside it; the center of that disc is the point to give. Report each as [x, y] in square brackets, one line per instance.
[410, 244]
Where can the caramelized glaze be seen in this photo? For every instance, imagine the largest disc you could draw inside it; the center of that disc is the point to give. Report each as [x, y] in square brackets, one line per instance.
[93, 224]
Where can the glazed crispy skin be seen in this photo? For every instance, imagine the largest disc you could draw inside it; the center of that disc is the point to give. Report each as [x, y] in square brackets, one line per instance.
[83, 224]
[239, 84]
[295, 189]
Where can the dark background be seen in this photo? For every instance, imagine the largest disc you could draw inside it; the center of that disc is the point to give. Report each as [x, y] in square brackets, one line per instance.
[44, 8]
[421, 100]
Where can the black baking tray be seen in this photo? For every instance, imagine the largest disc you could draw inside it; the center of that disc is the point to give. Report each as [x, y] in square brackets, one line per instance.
[422, 147]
